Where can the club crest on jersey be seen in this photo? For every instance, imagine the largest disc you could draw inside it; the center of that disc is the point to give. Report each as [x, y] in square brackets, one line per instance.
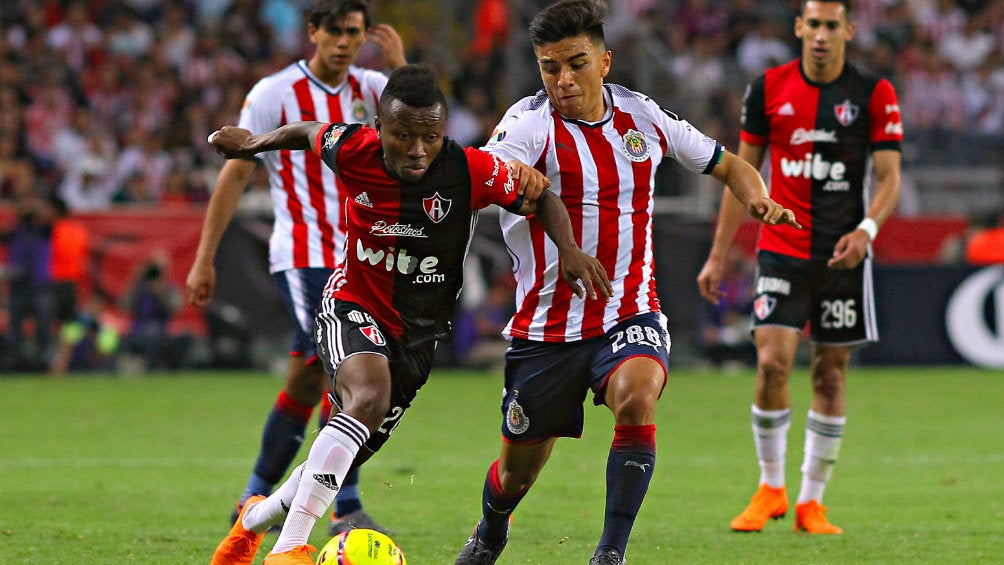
[359, 111]
[846, 112]
[635, 146]
[332, 136]
[515, 419]
[498, 134]
[436, 207]
[764, 305]
[373, 334]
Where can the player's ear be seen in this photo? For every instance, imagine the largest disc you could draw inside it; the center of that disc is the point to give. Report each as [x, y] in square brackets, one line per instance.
[377, 125]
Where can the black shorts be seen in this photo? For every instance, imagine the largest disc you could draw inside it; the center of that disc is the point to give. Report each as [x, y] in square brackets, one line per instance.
[838, 304]
[546, 383]
[344, 329]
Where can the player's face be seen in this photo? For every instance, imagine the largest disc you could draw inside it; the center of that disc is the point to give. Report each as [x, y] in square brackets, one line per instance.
[572, 71]
[337, 44]
[411, 139]
[824, 31]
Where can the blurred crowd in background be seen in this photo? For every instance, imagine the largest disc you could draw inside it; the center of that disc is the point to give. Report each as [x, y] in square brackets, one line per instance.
[107, 103]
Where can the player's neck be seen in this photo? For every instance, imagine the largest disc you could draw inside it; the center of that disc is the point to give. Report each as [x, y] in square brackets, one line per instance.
[325, 74]
[822, 74]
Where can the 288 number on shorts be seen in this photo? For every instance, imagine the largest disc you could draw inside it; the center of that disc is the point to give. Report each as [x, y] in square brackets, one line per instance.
[838, 314]
[643, 335]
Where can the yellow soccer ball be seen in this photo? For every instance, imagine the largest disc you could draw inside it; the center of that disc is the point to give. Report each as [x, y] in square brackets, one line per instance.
[361, 547]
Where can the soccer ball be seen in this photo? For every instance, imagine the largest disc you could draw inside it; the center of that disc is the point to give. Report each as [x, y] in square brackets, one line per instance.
[360, 546]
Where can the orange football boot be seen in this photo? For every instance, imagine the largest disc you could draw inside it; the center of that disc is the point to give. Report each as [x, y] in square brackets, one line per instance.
[241, 544]
[767, 503]
[299, 555]
[811, 517]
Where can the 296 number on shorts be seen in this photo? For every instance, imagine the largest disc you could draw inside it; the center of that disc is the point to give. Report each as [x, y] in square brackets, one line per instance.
[839, 314]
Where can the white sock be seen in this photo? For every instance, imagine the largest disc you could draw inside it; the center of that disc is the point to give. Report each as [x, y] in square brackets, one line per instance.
[273, 509]
[330, 457]
[770, 434]
[823, 435]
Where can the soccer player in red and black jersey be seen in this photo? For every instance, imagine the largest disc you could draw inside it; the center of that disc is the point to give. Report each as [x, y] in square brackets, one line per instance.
[410, 201]
[307, 233]
[826, 123]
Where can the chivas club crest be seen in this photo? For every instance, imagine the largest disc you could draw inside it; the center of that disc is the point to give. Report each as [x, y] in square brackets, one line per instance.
[515, 418]
[764, 305]
[846, 112]
[373, 334]
[359, 111]
[436, 207]
[635, 146]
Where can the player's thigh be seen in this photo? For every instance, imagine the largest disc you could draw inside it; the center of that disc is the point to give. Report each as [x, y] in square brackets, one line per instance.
[630, 368]
[843, 313]
[545, 386]
[783, 292]
[301, 291]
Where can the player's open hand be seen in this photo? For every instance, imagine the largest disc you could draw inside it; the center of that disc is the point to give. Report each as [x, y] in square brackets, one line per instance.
[530, 182]
[850, 250]
[232, 142]
[769, 212]
[577, 267]
[391, 46]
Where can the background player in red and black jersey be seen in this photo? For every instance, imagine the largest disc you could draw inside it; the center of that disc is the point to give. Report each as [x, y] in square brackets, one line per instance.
[825, 123]
[410, 199]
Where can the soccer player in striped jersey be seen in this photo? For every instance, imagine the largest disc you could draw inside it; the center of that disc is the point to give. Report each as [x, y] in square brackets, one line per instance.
[599, 144]
[825, 123]
[411, 202]
[307, 234]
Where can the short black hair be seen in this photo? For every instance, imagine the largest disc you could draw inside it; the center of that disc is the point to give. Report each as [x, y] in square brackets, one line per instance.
[846, 4]
[569, 18]
[324, 12]
[414, 85]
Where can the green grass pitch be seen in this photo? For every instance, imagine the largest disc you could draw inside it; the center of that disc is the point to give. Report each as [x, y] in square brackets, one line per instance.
[110, 470]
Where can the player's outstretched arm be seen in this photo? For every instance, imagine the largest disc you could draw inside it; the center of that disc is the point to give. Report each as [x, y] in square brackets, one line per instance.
[746, 184]
[238, 143]
[575, 265]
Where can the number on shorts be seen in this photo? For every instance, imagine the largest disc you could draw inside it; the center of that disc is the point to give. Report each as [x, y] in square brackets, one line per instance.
[391, 422]
[644, 335]
[839, 314]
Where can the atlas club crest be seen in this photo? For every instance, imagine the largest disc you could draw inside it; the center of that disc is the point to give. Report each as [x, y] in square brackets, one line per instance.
[436, 207]
[846, 112]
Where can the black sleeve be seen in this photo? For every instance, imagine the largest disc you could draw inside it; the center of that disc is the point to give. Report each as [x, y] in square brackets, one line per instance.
[754, 119]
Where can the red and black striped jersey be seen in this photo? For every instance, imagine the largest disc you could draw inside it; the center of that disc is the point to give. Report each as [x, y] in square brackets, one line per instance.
[820, 138]
[406, 242]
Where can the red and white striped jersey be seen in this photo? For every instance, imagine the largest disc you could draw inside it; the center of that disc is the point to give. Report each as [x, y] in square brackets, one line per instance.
[604, 173]
[308, 230]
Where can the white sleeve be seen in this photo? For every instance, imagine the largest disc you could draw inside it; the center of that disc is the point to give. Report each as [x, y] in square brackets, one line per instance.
[262, 108]
[685, 143]
[519, 135]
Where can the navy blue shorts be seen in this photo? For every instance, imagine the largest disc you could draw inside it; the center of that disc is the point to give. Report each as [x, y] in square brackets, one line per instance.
[345, 329]
[546, 383]
[301, 291]
[838, 304]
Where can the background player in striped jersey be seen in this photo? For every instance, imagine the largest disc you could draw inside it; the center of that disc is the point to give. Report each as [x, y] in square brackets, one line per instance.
[823, 120]
[412, 198]
[307, 236]
[600, 146]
